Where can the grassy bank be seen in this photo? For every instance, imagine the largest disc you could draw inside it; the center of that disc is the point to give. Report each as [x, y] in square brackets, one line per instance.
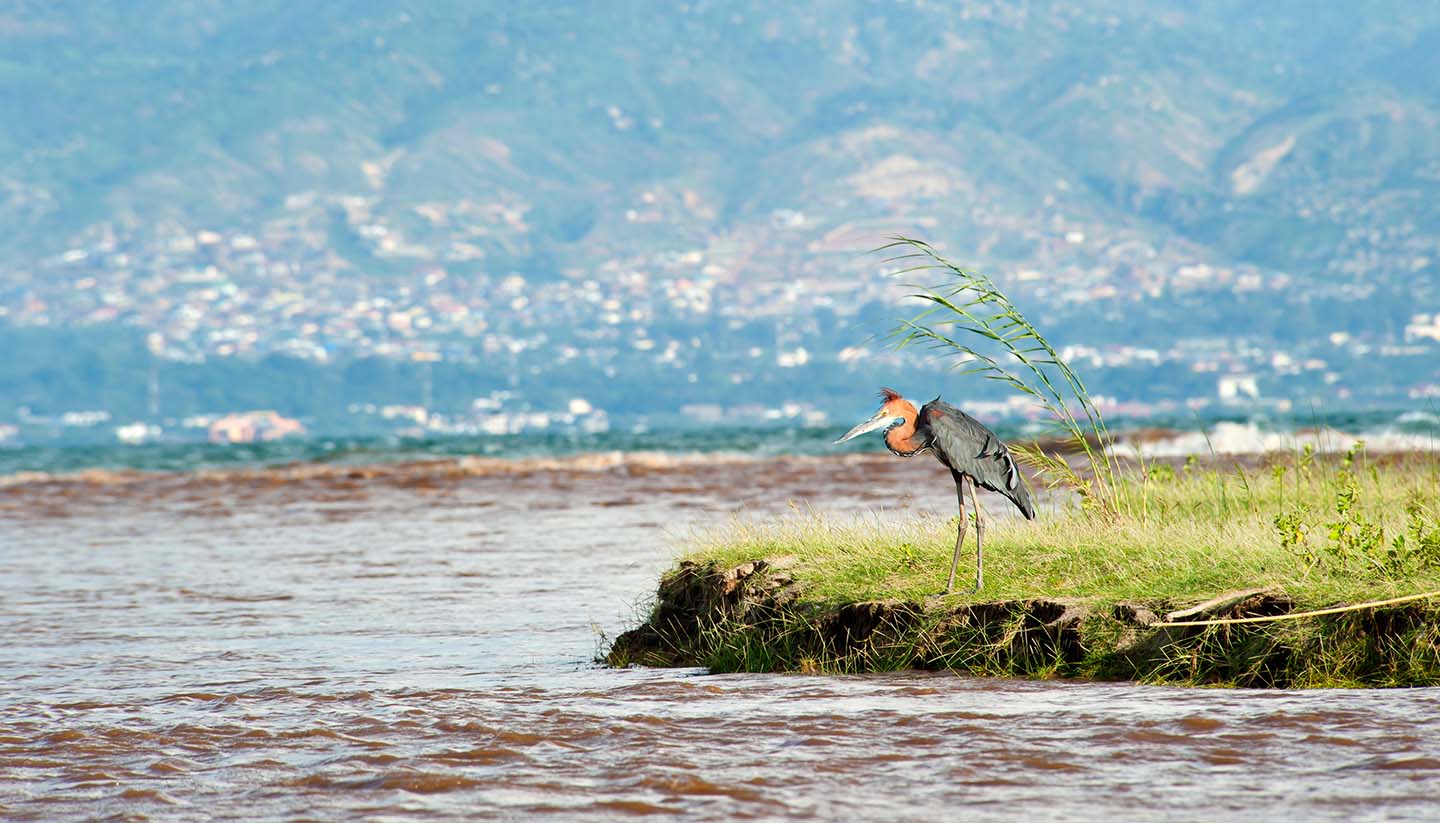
[1322, 530]
[1076, 592]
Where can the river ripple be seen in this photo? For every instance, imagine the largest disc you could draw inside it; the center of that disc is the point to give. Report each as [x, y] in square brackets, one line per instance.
[414, 643]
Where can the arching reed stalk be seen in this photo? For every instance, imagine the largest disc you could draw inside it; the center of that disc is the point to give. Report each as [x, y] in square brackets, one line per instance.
[968, 308]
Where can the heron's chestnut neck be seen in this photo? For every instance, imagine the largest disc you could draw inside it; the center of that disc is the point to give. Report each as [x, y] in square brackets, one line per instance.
[901, 439]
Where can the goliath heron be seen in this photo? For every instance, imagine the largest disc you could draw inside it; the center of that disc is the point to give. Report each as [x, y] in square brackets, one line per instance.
[965, 446]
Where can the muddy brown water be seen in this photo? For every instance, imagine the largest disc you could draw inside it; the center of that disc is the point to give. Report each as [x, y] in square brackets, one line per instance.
[415, 643]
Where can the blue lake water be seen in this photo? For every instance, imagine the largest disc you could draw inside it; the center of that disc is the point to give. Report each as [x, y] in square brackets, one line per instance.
[1403, 429]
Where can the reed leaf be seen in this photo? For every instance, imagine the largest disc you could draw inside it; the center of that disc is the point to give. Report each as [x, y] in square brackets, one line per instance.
[969, 305]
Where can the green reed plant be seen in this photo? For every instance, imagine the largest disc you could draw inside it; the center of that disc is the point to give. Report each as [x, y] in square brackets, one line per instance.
[969, 319]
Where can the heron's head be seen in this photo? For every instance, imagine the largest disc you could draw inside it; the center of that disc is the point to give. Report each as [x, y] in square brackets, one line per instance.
[894, 411]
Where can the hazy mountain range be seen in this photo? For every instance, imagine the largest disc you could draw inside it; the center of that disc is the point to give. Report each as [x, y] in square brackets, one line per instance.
[1293, 139]
[1263, 131]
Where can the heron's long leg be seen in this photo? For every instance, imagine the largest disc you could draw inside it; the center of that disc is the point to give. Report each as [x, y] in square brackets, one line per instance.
[960, 531]
[979, 540]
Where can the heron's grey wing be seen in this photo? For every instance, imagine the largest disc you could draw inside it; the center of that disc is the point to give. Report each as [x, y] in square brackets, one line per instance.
[968, 446]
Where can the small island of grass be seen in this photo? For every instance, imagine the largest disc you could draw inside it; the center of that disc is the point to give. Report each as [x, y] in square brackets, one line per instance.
[1081, 594]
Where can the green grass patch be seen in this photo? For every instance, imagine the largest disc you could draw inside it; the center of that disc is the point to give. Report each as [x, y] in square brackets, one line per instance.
[1323, 532]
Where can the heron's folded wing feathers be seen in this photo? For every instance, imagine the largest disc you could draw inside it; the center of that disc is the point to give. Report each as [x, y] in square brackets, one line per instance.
[968, 446]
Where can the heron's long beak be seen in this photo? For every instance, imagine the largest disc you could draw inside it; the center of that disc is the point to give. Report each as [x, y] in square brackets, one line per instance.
[880, 419]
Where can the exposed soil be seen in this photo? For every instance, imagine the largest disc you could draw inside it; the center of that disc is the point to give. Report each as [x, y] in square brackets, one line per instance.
[755, 617]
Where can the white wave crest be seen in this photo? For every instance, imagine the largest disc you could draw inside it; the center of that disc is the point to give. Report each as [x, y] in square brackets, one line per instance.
[1248, 438]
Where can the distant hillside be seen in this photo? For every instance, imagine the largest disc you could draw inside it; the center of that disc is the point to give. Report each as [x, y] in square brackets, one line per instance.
[1262, 132]
[650, 207]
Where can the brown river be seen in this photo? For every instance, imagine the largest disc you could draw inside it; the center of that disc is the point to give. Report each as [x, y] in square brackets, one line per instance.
[415, 642]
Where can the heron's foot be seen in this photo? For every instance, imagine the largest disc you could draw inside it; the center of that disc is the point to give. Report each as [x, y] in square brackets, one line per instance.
[965, 592]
